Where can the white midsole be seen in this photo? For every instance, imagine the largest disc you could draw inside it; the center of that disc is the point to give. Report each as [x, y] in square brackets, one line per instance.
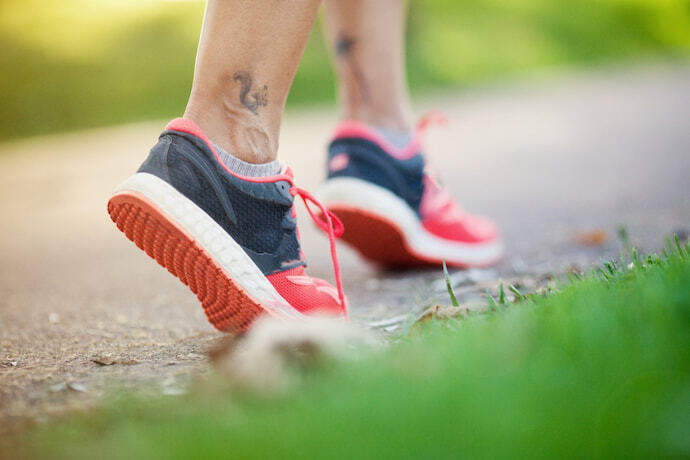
[356, 193]
[222, 248]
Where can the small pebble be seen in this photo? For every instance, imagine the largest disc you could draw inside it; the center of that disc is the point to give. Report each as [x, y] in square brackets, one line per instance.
[58, 387]
[78, 387]
[173, 391]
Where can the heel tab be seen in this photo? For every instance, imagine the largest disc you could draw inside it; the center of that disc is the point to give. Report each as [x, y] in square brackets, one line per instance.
[353, 129]
[186, 125]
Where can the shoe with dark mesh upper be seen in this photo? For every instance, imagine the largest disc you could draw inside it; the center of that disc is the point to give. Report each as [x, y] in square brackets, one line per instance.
[394, 209]
[232, 239]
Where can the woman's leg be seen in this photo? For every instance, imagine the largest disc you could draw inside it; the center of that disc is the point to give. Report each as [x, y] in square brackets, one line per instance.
[367, 43]
[247, 58]
[221, 217]
[377, 175]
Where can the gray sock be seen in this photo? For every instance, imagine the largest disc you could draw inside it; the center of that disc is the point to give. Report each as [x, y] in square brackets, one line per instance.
[398, 139]
[243, 168]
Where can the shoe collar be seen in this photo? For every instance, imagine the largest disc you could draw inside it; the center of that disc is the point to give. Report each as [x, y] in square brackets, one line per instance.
[185, 125]
[357, 129]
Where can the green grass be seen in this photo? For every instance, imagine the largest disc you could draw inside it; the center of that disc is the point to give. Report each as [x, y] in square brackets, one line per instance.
[69, 64]
[600, 368]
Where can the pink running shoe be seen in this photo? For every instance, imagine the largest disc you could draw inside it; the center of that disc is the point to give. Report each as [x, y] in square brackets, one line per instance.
[394, 209]
[232, 239]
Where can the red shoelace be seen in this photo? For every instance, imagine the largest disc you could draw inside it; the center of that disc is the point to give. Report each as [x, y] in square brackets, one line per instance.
[333, 227]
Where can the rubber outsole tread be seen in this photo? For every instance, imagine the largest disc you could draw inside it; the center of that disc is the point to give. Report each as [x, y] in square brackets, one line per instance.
[227, 306]
[378, 240]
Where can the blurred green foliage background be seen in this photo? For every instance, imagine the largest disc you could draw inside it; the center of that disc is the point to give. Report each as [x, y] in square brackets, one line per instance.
[82, 63]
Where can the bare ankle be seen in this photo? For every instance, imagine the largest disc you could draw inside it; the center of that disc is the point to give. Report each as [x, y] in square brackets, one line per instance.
[242, 129]
[395, 120]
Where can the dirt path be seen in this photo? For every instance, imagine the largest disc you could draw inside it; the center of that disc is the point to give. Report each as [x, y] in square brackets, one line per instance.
[81, 309]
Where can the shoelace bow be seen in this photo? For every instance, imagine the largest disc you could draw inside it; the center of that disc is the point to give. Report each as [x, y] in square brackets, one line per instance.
[334, 228]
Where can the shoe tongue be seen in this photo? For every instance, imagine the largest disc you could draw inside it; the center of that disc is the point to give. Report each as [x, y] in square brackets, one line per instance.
[287, 171]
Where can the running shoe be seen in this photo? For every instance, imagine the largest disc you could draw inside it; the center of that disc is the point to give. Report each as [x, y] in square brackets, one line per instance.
[395, 211]
[232, 239]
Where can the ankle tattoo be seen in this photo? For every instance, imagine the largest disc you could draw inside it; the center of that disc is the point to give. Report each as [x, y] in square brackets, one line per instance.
[344, 46]
[254, 100]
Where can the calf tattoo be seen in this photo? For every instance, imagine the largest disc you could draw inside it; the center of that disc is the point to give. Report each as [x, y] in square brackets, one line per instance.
[344, 46]
[254, 100]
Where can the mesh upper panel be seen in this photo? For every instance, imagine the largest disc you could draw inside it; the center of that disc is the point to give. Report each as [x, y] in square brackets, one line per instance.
[367, 161]
[256, 215]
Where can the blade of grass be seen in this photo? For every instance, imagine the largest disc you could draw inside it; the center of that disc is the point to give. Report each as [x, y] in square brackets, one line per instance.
[636, 258]
[493, 306]
[501, 294]
[626, 245]
[518, 294]
[681, 253]
[453, 299]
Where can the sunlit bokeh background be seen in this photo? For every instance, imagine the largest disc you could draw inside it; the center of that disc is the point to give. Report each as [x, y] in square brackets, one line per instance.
[71, 64]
